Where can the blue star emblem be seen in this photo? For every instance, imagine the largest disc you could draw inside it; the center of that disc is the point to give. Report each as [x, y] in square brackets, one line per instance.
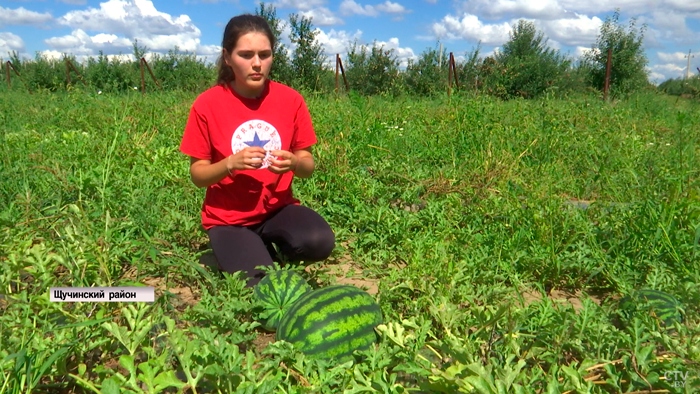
[256, 141]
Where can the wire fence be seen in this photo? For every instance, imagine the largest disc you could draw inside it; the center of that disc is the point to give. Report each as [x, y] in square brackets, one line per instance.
[453, 76]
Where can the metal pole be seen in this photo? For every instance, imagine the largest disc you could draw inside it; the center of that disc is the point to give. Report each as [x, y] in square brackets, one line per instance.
[67, 71]
[152, 75]
[143, 81]
[342, 69]
[449, 80]
[454, 68]
[75, 70]
[607, 74]
[687, 70]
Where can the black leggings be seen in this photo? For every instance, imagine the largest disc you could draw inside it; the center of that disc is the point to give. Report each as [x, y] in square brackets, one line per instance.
[300, 233]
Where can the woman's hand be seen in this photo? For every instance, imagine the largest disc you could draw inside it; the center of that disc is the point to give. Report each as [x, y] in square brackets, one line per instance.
[249, 158]
[288, 162]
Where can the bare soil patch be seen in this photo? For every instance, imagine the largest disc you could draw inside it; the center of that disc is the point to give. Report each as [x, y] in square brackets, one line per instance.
[262, 340]
[347, 272]
[575, 299]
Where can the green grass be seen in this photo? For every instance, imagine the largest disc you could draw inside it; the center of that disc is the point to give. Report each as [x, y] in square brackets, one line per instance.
[457, 208]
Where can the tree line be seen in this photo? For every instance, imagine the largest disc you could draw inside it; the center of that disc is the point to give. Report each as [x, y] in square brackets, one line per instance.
[526, 66]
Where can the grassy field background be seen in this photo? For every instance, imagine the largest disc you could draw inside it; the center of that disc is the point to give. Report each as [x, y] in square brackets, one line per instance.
[496, 236]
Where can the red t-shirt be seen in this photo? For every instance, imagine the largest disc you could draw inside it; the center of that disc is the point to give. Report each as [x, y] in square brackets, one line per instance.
[221, 122]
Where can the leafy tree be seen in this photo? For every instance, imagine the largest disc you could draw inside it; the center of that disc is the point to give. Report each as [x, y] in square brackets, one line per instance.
[628, 68]
[372, 71]
[681, 86]
[468, 70]
[308, 58]
[281, 67]
[427, 76]
[528, 67]
[139, 51]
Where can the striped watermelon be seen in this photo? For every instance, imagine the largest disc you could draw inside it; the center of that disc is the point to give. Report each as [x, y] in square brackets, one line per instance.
[665, 307]
[331, 322]
[276, 292]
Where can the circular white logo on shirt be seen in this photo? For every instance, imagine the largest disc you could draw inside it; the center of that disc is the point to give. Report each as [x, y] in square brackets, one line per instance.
[256, 133]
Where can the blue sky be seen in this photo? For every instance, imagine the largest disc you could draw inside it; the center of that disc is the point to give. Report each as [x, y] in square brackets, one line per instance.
[84, 27]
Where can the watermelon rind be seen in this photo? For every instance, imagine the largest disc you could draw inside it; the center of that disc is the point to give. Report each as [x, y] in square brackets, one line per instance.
[276, 292]
[663, 306]
[331, 322]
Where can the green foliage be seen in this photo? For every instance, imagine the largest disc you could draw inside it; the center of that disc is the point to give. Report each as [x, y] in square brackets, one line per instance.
[308, 58]
[528, 68]
[499, 236]
[628, 65]
[428, 75]
[525, 67]
[682, 87]
[276, 293]
[281, 67]
[469, 69]
[372, 71]
[180, 71]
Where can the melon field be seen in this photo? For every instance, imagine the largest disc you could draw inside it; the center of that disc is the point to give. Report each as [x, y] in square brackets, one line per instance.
[497, 237]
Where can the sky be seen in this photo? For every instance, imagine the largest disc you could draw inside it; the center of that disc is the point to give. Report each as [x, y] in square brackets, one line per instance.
[83, 28]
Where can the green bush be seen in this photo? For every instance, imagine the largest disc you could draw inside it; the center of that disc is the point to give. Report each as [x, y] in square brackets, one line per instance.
[628, 67]
[528, 67]
[427, 76]
[373, 71]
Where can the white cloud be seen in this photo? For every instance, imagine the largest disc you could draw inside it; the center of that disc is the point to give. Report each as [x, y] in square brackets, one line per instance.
[132, 18]
[302, 5]
[655, 77]
[22, 16]
[392, 8]
[668, 69]
[604, 6]
[322, 17]
[403, 54]
[671, 25]
[53, 55]
[579, 31]
[579, 51]
[335, 42]
[675, 57]
[58, 55]
[469, 27]
[80, 43]
[684, 5]
[349, 7]
[119, 22]
[500, 9]
[10, 42]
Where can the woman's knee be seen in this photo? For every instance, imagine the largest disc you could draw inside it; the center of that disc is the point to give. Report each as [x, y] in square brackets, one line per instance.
[317, 245]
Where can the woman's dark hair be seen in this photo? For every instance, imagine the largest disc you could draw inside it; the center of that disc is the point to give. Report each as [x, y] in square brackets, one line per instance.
[238, 26]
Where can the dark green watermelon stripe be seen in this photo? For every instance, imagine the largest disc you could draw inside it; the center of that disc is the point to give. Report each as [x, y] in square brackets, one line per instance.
[655, 296]
[309, 300]
[326, 295]
[343, 297]
[321, 341]
[336, 310]
[356, 318]
[277, 291]
[267, 293]
[346, 345]
[291, 291]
